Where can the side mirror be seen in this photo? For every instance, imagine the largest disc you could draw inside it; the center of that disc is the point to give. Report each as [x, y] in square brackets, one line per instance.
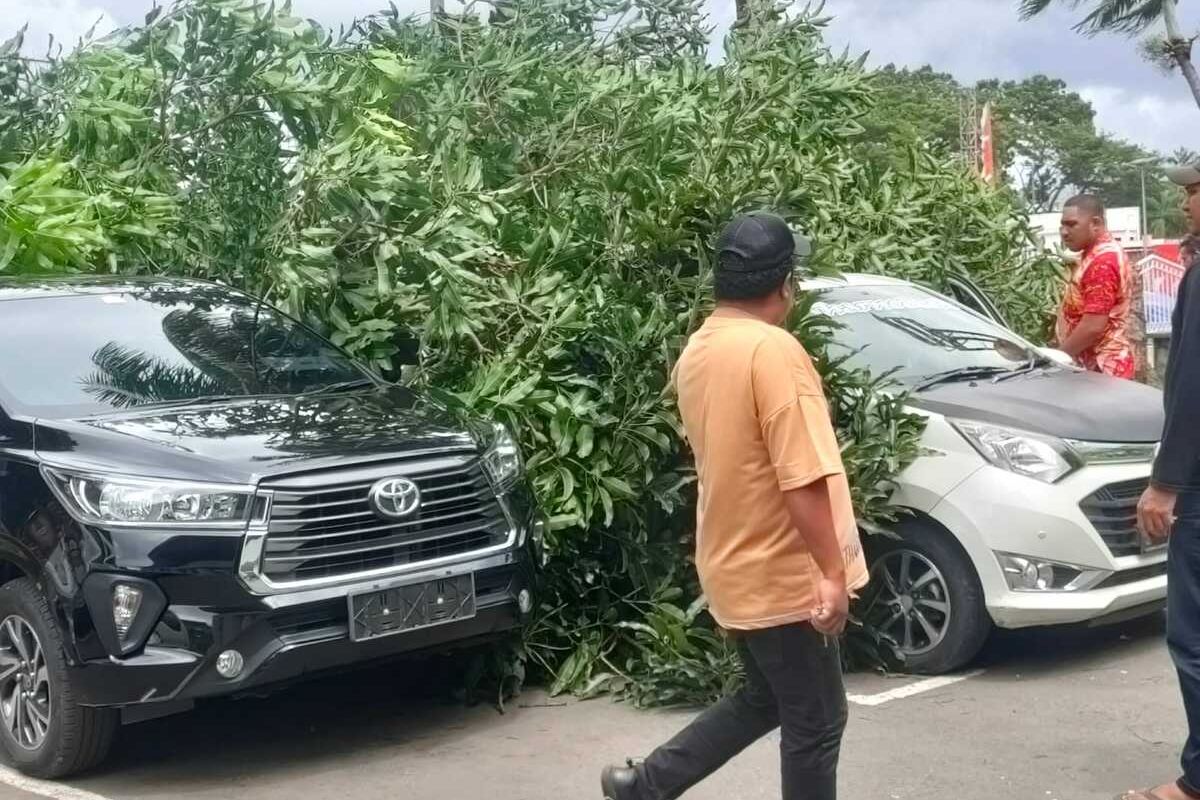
[406, 360]
[408, 349]
[1057, 356]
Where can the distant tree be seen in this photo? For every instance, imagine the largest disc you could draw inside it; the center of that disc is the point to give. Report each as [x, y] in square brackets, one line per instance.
[1045, 137]
[1041, 130]
[1164, 211]
[915, 106]
[1182, 155]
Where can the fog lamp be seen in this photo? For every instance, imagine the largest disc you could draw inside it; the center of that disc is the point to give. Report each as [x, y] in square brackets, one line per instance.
[126, 602]
[230, 664]
[1025, 574]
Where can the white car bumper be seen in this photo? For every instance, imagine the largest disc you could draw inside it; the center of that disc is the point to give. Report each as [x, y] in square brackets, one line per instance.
[994, 511]
[1027, 609]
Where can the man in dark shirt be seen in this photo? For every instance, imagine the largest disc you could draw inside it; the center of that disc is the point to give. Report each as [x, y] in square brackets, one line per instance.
[1171, 504]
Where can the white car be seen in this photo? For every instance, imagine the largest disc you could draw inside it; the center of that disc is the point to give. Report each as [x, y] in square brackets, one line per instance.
[1021, 509]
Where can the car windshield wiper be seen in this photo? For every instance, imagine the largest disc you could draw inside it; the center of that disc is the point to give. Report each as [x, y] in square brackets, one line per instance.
[341, 386]
[958, 374]
[198, 400]
[1036, 361]
[208, 399]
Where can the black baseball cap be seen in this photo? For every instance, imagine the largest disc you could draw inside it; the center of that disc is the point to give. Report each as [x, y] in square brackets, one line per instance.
[1185, 174]
[760, 242]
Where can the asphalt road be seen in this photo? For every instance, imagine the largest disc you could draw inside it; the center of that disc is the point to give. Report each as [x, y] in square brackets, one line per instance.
[1054, 715]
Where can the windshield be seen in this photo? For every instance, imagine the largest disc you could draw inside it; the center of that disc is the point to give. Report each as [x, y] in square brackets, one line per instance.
[98, 352]
[915, 332]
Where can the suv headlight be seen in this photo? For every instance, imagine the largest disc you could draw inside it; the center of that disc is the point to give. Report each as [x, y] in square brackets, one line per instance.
[502, 461]
[116, 500]
[1046, 458]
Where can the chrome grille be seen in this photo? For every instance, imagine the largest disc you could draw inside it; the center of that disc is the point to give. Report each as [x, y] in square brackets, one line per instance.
[321, 524]
[1112, 509]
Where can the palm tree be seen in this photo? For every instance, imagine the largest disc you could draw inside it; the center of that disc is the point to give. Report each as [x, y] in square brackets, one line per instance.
[1133, 17]
[1182, 155]
[125, 377]
[216, 356]
[1164, 214]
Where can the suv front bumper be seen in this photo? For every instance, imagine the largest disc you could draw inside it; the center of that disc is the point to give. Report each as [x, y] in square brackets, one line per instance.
[291, 636]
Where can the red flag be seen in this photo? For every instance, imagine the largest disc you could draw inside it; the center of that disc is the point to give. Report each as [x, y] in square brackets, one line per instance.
[987, 159]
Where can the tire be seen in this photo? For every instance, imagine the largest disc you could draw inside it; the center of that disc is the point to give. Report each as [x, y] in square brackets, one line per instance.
[71, 738]
[939, 620]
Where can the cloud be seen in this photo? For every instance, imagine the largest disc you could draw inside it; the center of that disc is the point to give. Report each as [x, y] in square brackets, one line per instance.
[66, 20]
[962, 37]
[1163, 123]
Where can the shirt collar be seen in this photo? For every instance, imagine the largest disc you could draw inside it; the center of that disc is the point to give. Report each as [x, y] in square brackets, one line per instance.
[723, 313]
[1103, 238]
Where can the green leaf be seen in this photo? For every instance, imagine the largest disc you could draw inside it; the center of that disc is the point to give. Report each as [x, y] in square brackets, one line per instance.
[486, 216]
[618, 487]
[519, 391]
[585, 440]
[607, 502]
[568, 484]
[390, 67]
[11, 243]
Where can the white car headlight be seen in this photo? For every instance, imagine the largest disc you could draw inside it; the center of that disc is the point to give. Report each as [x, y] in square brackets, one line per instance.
[502, 461]
[113, 499]
[1114, 452]
[1046, 458]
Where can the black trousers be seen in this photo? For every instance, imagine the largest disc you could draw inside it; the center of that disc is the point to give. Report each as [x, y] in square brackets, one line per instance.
[793, 682]
[1183, 626]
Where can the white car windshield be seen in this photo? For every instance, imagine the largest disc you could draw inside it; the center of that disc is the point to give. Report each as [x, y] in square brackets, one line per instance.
[916, 334]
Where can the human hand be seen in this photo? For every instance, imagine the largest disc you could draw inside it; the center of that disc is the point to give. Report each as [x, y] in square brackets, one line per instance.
[1156, 513]
[833, 606]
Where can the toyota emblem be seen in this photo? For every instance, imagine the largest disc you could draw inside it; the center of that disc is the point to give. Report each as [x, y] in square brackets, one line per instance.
[395, 498]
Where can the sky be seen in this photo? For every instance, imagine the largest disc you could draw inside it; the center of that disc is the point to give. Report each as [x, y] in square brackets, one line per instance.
[971, 39]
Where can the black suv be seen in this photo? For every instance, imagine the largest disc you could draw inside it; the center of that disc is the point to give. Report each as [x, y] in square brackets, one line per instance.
[200, 496]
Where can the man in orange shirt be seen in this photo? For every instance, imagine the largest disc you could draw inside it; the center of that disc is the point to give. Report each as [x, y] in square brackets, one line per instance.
[1093, 322]
[777, 547]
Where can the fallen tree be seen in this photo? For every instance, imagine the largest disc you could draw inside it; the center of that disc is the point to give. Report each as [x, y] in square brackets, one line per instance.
[532, 198]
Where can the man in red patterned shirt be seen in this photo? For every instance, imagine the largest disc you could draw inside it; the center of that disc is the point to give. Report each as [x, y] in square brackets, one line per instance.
[1093, 322]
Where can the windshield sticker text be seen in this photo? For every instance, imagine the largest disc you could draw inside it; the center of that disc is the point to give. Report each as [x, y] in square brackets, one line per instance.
[868, 306]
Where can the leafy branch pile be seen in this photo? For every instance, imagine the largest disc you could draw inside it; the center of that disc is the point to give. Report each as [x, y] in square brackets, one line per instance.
[532, 197]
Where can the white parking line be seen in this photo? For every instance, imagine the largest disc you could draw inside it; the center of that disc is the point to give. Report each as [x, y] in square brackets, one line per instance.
[54, 791]
[909, 690]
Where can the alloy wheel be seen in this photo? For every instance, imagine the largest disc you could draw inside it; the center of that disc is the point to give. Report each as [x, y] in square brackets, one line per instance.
[24, 684]
[910, 602]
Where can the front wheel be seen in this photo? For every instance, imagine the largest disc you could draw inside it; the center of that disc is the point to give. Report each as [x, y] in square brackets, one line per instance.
[43, 730]
[926, 597]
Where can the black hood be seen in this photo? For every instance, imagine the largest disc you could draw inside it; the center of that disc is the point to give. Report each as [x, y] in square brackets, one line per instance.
[242, 441]
[1072, 404]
